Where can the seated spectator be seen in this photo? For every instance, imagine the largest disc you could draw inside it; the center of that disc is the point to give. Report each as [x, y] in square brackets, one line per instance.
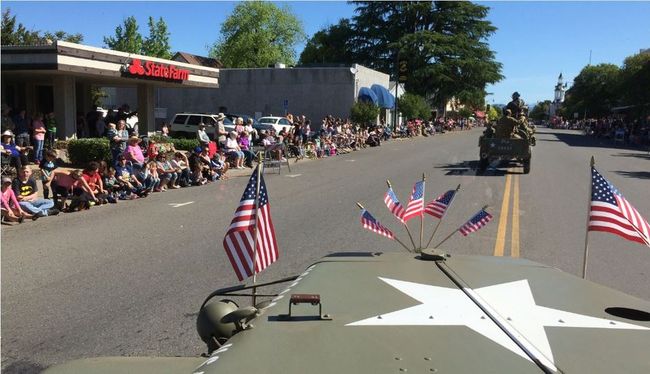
[152, 150]
[17, 155]
[25, 189]
[94, 190]
[47, 165]
[166, 172]
[112, 185]
[63, 184]
[164, 130]
[245, 146]
[198, 167]
[150, 178]
[202, 136]
[276, 148]
[233, 151]
[11, 210]
[133, 152]
[129, 185]
[181, 165]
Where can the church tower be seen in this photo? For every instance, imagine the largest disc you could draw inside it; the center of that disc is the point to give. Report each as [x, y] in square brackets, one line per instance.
[560, 88]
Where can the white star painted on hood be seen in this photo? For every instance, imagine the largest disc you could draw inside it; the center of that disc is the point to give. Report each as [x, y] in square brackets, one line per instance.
[513, 302]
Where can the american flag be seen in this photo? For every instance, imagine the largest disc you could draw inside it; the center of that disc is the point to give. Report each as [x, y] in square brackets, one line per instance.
[438, 206]
[239, 241]
[369, 222]
[394, 205]
[416, 203]
[475, 223]
[610, 212]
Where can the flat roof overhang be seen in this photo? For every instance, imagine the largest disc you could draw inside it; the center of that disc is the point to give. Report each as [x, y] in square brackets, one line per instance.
[102, 66]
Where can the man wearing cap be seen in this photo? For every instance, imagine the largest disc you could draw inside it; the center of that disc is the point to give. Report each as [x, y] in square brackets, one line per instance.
[221, 130]
[202, 136]
[25, 188]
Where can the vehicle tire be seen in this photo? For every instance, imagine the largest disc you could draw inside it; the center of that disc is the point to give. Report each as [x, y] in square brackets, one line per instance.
[526, 166]
[482, 165]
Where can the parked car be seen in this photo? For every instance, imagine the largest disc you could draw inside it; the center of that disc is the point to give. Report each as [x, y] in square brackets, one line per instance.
[186, 124]
[278, 123]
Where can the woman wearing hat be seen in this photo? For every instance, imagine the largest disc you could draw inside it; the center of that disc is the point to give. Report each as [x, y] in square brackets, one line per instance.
[134, 153]
[18, 155]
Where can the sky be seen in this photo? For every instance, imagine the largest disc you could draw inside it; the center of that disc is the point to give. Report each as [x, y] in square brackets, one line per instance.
[535, 41]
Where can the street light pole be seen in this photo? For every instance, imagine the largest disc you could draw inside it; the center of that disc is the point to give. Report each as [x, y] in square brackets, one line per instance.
[396, 87]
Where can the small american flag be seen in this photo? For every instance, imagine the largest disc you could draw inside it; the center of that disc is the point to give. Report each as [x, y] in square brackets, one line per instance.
[239, 242]
[394, 205]
[475, 223]
[438, 206]
[369, 222]
[610, 212]
[416, 203]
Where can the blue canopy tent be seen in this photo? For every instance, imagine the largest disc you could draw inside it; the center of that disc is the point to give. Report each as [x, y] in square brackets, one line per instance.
[367, 95]
[385, 99]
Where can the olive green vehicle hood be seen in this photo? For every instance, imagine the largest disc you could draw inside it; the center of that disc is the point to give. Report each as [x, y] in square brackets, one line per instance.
[394, 313]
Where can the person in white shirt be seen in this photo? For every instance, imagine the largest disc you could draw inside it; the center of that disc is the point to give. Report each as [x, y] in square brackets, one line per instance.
[203, 137]
[233, 150]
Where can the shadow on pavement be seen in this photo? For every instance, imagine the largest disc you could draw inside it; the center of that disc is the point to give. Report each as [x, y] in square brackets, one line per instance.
[634, 174]
[23, 367]
[629, 154]
[470, 168]
[579, 140]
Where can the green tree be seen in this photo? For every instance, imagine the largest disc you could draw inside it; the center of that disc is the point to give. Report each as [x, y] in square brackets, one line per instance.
[443, 45]
[541, 110]
[635, 81]
[258, 34]
[126, 38]
[62, 35]
[331, 45]
[364, 113]
[595, 91]
[15, 33]
[414, 106]
[493, 114]
[157, 43]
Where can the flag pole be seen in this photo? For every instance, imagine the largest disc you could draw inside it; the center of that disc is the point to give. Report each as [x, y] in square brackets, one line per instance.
[584, 261]
[394, 236]
[260, 165]
[449, 236]
[403, 223]
[441, 218]
[422, 212]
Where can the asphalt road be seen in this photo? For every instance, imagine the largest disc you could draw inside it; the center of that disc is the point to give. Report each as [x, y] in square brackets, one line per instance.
[127, 279]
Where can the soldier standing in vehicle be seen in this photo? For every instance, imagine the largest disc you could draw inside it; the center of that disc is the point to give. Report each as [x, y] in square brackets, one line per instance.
[517, 105]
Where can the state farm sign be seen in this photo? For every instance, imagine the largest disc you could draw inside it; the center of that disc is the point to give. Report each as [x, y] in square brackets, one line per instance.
[149, 69]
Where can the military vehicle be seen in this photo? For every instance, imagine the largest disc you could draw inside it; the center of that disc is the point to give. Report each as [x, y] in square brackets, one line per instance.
[390, 312]
[505, 149]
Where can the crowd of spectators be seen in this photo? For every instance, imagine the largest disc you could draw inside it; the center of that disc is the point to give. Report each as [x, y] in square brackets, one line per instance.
[630, 132]
[139, 168]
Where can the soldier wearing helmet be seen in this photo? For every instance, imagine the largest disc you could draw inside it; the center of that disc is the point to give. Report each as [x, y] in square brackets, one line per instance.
[517, 105]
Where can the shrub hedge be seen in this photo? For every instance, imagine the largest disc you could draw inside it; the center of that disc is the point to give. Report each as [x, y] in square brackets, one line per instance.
[184, 144]
[82, 151]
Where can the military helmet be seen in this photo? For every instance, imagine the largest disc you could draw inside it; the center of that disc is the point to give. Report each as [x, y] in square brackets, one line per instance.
[515, 95]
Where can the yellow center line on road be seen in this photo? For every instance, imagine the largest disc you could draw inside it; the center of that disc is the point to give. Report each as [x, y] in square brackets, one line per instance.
[514, 239]
[503, 219]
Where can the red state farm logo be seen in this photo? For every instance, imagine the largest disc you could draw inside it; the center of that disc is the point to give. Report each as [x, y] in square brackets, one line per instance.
[136, 67]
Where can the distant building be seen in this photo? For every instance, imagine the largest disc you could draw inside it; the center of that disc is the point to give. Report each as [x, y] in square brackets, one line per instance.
[189, 58]
[560, 91]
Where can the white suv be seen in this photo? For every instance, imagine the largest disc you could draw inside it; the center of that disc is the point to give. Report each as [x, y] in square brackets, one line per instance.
[187, 124]
[278, 123]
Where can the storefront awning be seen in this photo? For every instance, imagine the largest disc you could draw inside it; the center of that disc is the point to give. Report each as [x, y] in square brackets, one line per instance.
[367, 95]
[384, 98]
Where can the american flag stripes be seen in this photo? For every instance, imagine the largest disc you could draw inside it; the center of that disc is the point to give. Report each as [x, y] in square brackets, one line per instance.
[394, 205]
[239, 242]
[475, 223]
[415, 207]
[611, 212]
[438, 206]
[369, 222]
